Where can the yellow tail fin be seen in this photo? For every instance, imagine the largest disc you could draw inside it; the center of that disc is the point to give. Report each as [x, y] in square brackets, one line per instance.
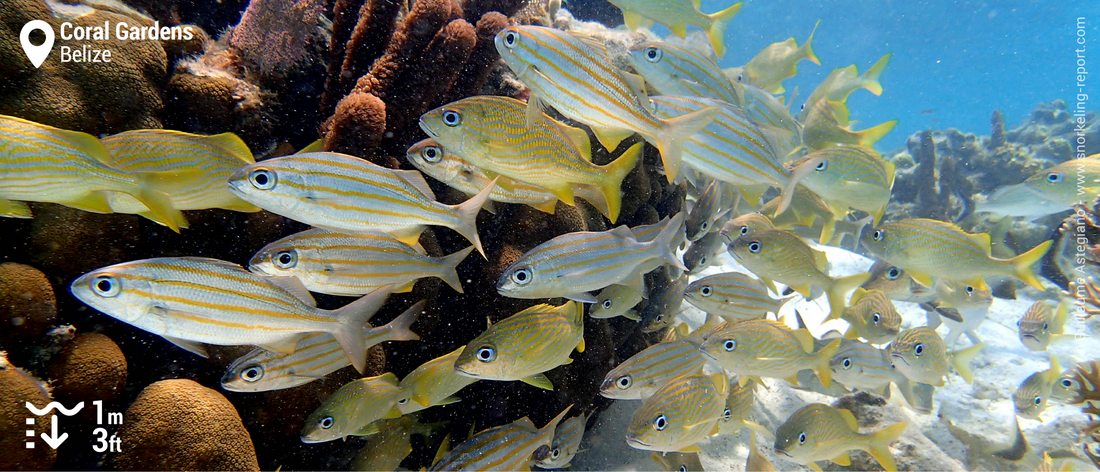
[1022, 264]
[824, 372]
[960, 360]
[871, 76]
[879, 447]
[838, 291]
[717, 31]
[611, 185]
[873, 134]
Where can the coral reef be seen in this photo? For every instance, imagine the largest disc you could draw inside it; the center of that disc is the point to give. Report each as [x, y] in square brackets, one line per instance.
[273, 35]
[91, 366]
[27, 303]
[182, 425]
[16, 388]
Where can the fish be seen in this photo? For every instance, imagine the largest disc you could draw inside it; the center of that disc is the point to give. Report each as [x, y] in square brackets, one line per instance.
[766, 348]
[897, 284]
[1052, 190]
[677, 461]
[782, 256]
[682, 70]
[432, 383]
[756, 462]
[739, 402]
[1041, 323]
[841, 82]
[703, 253]
[777, 62]
[566, 443]
[963, 305]
[665, 299]
[40, 163]
[921, 356]
[871, 316]
[1035, 392]
[526, 344]
[1079, 383]
[707, 209]
[352, 264]
[387, 449]
[744, 225]
[818, 432]
[576, 78]
[492, 133]
[809, 212]
[201, 164]
[315, 356]
[616, 300]
[860, 366]
[847, 176]
[647, 233]
[451, 168]
[924, 246]
[352, 410]
[733, 296]
[678, 15]
[679, 415]
[641, 375]
[826, 124]
[509, 447]
[572, 264]
[343, 193]
[192, 301]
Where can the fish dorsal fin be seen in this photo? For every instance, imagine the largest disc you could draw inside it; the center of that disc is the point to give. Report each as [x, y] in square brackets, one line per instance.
[578, 137]
[526, 424]
[849, 418]
[622, 231]
[232, 144]
[805, 339]
[315, 146]
[982, 240]
[416, 179]
[368, 430]
[217, 262]
[389, 378]
[593, 42]
[294, 286]
[86, 143]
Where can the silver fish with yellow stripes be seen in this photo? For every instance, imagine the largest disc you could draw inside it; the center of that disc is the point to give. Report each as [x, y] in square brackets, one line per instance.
[315, 356]
[704, 253]
[432, 383]
[449, 167]
[526, 344]
[354, 263]
[566, 443]
[921, 355]
[861, 366]
[819, 432]
[766, 348]
[676, 69]
[841, 82]
[847, 176]
[871, 316]
[1041, 323]
[678, 15]
[1048, 191]
[573, 264]
[352, 410]
[201, 165]
[514, 446]
[743, 225]
[577, 78]
[644, 373]
[733, 296]
[924, 247]
[192, 301]
[1034, 393]
[775, 63]
[40, 163]
[493, 134]
[826, 124]
[344, 193]
[679, 415]
[616, 300]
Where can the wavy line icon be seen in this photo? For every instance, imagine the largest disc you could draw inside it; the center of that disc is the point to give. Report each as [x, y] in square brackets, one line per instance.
[55, 405]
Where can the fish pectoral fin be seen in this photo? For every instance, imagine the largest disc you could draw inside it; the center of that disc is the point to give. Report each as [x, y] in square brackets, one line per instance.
[446, 401]
[632, 315]
[692, 449]
[368, 430]
[14, 209]
[633, 21]
[921, 278]
[294, 286]
[95, 202]
[534, 109]
[538, 380]
[285, 346]
[583, 297]
[189, 346]
[843, 459]
[423, 400]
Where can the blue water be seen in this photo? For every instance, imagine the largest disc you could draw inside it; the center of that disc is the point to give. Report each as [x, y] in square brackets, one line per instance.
[953, 63]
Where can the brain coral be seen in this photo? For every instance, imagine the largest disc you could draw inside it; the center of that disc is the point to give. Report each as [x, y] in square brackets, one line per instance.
[91, 367]
[27, 303]
[17, 387]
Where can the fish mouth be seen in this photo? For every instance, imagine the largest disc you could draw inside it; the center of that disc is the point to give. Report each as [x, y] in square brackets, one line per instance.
[637, 443]
[465, 372]
[428, 129]
[707, 353]
[898, 356]
[784, 452]
[1030, 336]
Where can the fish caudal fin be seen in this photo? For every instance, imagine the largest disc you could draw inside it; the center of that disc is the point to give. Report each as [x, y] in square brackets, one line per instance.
[1022, 264]
[675, 131]
[400, 328]
[669, 239]
[717, 31]
[824, 372]
[838, 291]
[960, 360]
[351, 320]
[807, 47]
[879, 447]
[872, 135]
[450, 268]
[612, 182]
[468, 211]
[871, 76]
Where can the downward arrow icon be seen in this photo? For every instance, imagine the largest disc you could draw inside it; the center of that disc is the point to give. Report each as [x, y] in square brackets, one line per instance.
[53, 439]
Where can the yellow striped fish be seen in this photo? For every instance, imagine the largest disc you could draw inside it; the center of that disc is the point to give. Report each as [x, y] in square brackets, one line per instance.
[40, 163]
[859, 365]
[353, 409]
[819, 432]
[847, 176]
[514, 446]
[679, 415]
[871, 316]
[650, 369]
[921, 355]
[578, 79]
[566, 443]
[1034, 393]
[616, 300]
[315, 356]
[457, 172]
[766, 348]
[677, 15]
[344, 193]
[493, 134]
[573, 264]
[776, 62]
[744, 225]
[782, 256]
[192, 301]
[432, 383]
[923, 247]
[352, 264]
[733, 296]
[739, 402]
[201, 165]
[1048, 191]
[387, 449]
[826, 125]
[703, 253]
[681, 70]
[1041, 323]
[841, 82]
[526, 344]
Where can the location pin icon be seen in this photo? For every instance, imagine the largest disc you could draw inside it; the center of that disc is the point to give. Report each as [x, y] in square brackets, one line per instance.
[37, 54]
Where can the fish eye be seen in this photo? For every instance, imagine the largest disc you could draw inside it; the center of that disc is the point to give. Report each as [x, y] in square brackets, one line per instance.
[821, 166]
[522, 276]
[624, 382]
[744, 230]
[893, 273]
[847, 363]
[660, 317]
[1067, 383]
[740, 77]
[1054, 177]
[262, 179]
[705, 291]
[727, 414]
[285, 259]
[402, 401]
[105, 286]
[1045, 326]
[660, 422]
[510, 38]
[729, 345]
[326, 422]
[1037, 400]
[653, 54]
[703, 260]
[969, 289]
[555, 453]
[486, 354]
[607, 304]
[432, 154]
[252, 373]
[705, 225]
[683, 468]
[919, 349]
[451, 118]
[875, 318]
[802, 107]
[1019, 323]
[878, 235]
[802, 438]
[754, 247]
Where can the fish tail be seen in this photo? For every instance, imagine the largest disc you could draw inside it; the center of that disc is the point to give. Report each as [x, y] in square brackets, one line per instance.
[611, 184]
[824, 372]
[159, 205]
[717, 31]
[1022, 264]
[400, 328]
[879, 447]
[871, 76]
[450, 268]
[807, 47]
[468, 211]
[873, 134]
[960, 360]
[676, 130]
[669, 239]
[351, 319]
[839, 288]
